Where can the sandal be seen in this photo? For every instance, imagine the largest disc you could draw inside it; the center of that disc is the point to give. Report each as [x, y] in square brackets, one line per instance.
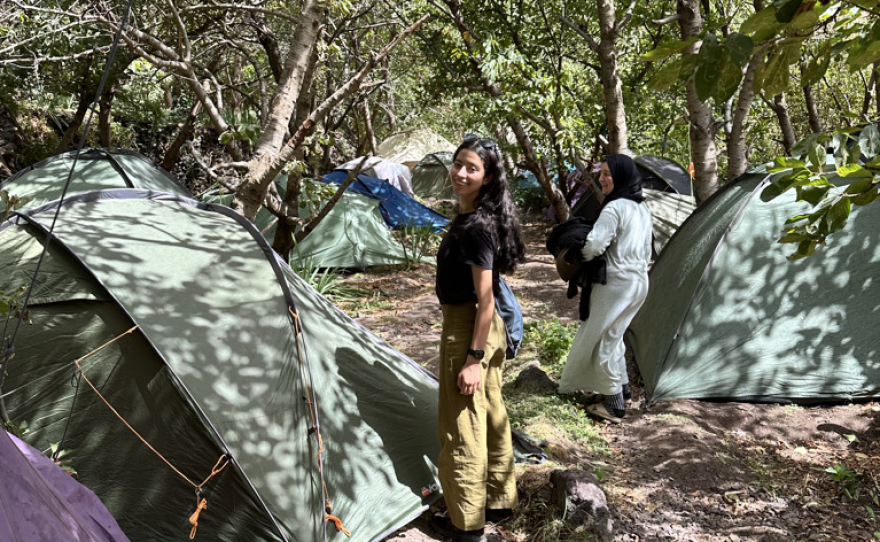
[599, 410]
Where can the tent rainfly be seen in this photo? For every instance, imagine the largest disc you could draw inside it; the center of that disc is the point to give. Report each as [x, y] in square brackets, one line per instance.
[729, 317]
[222, 360]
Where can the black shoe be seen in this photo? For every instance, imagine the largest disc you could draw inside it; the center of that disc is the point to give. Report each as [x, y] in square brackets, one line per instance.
[444, 527]
[498, 515]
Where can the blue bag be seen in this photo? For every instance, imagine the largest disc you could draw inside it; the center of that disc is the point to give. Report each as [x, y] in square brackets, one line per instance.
[508, 308]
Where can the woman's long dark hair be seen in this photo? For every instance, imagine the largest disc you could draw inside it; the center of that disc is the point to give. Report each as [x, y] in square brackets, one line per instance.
[494, 205]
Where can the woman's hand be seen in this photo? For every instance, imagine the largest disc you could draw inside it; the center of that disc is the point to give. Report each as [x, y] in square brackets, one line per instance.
[470, 379]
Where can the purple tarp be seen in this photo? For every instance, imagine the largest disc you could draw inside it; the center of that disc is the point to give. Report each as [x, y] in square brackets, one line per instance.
[40, 502]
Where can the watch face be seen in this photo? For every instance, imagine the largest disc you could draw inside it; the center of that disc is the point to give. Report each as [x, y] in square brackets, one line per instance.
[478, 354]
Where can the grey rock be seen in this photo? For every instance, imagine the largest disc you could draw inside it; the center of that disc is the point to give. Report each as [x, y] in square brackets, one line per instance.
[578, 494]
[534, 378]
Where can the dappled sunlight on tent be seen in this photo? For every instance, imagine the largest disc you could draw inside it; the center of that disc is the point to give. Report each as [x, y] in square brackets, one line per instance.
[748, 323]
[213, 369]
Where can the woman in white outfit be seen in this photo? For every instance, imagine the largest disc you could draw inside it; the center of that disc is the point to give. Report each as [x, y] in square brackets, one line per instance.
[623, 233]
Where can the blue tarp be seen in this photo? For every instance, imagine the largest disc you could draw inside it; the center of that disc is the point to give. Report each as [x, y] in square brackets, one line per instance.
[397, 208]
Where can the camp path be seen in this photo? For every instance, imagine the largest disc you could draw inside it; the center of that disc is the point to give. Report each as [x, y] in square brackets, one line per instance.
[681, 470]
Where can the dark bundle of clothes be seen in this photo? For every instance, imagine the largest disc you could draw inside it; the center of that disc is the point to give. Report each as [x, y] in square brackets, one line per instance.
[565, 243]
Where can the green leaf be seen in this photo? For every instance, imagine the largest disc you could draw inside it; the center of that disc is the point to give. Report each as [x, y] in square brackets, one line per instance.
[806, 20]
[787, 11]
[793, 238]
[863, 56]
[818, 157]
[805, 249]
[785, 162]
[839, 214]
[854, 171]
[865, 198]
[762, 25]
[226, 137]
[812, 194]
[739, 48]
[817, 67]
[706, 78]
[770, 192]
[729, 77]
[667, 50]
[869, 140]
[859, 186]
[667, 76]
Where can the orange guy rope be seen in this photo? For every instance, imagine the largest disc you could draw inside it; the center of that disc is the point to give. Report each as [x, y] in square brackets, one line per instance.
[200, 505]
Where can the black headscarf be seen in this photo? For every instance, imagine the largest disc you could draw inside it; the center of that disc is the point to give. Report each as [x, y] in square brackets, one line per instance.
[627, 180]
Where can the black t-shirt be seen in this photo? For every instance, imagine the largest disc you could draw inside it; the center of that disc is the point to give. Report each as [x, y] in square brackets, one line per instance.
[466, 243]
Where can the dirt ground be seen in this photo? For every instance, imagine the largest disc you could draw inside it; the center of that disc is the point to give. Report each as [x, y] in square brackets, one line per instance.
[681, 470]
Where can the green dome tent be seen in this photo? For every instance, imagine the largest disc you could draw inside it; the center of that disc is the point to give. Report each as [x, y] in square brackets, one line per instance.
[430, 178]
[96, 169]
[729, 317]
[353, 235]
[213, 350]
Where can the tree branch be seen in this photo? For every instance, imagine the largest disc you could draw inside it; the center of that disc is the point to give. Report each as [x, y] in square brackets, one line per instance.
[582, 32]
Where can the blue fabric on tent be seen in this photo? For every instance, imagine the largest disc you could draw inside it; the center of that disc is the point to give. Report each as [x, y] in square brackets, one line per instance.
[397, 208]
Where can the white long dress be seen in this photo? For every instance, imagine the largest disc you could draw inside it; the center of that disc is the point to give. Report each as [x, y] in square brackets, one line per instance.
[596, 361]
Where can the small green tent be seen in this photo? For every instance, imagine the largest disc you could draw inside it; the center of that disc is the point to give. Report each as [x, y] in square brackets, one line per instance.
[212, 350]
[430, 178]
[729, 317]
[352, 235]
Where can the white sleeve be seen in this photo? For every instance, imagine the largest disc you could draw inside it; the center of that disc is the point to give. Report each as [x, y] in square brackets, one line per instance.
[603, 233]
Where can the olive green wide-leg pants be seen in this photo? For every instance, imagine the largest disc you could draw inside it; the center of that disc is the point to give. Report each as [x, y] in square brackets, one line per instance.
[476, 466]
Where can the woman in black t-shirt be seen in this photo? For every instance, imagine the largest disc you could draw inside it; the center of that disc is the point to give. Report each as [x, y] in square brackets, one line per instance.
[476, 466]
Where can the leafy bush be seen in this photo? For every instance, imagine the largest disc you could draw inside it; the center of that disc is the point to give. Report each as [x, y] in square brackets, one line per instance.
[551, 339]
[418, 242]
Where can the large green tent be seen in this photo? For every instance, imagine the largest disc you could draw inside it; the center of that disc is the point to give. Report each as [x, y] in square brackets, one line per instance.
[211, 349]
[728, 316]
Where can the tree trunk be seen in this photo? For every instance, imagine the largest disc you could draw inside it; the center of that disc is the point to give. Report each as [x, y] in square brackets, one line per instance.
[368, 128]
[86, 95]
[305, 38]
[702, 125]
[105, 130]
[737, 157]
[283, 242]
[812, 111]
[615, 112]
[781, 109]
[172, 154]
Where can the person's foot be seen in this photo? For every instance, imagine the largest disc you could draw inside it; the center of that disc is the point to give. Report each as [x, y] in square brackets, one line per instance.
[498, 515]
[599, 410]
[444, 527]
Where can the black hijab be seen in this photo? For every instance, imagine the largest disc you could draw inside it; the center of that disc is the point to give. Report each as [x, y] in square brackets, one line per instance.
[627, 180]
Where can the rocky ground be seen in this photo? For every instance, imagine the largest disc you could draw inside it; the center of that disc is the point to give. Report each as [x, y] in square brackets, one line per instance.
[680, 470]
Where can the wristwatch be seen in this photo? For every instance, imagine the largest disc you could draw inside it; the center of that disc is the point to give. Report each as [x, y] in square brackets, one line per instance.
[477, 354]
